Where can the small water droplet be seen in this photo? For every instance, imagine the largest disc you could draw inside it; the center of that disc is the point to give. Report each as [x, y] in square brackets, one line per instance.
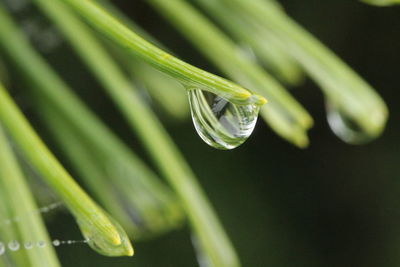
[220, 123]
[28, 245]
[2, 248]
[17, 219]
[13, 245]
[41, 244]
[56, 243]
[346, 128]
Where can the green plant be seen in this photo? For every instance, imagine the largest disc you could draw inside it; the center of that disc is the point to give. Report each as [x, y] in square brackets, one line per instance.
[116, 52]
[382, 2]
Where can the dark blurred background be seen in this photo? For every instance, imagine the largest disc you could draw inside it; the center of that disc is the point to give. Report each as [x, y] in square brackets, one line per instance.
[331, 204]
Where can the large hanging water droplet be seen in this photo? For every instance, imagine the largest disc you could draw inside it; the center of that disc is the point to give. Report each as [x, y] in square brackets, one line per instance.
[346, 128]
[220, 123]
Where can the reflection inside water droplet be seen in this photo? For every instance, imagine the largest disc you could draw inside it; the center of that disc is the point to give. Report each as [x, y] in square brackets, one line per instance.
[220, 123]
[346, 128]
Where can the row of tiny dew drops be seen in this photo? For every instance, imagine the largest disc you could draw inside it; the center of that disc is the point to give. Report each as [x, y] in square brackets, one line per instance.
[15, 245]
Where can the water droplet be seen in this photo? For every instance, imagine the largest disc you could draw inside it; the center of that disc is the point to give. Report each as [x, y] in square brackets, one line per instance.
[13, 245]
[2, 248]
[28, 245]
[56, 243]
[220, 123]
[41, 244]
[345, 127]
[42, 210]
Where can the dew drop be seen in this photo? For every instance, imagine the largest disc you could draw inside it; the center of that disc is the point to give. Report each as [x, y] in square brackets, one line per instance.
[346, 128]
[220, 123]
[28, 245]
[41, 244]
[56, 243]
[2, 248]
[14, 245]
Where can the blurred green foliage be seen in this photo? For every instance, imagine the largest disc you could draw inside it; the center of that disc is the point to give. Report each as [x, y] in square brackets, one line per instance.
[329, 205]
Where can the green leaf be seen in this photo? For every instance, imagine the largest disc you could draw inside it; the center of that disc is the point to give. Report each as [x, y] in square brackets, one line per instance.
[154, 137]
[283, 113]
[16, 194]
[382, 2]
[353, 97]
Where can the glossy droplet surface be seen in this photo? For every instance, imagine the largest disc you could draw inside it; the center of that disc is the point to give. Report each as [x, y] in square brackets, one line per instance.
[41, 244]
[28, 245]
[345, 128]
[2, 248]
[14, 245]
[220, 123]
[56, 243]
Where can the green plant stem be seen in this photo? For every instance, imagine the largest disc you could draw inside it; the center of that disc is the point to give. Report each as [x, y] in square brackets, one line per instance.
[162, 60]
[141, 213]
[122, 18]
[382, 2]
[89, 216]
[166, 92]
[31, 227]
[95, 223]
[9, 233]
[125, 169]
[341, 85]
[163, 89]
[265, 46]
[209, 232]
[283, 113]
